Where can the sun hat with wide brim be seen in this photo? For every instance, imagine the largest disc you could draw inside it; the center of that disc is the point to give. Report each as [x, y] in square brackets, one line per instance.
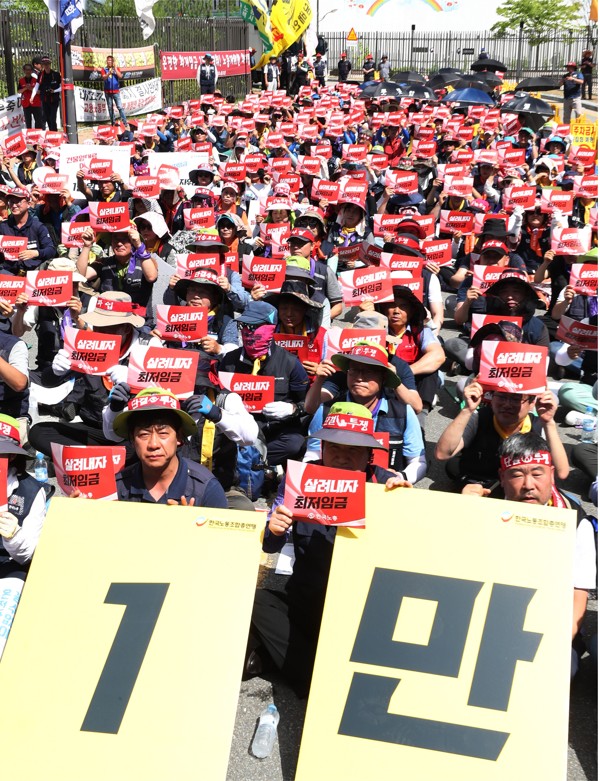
[207, 240]
[156, 221]
[349, 424]
[153, 400]
[372, 355]
[10, 437]
[507, 331]
[295, 287]
[200, 276]
[510, 278]
[64, 264]
[113, 308]
[405, 294]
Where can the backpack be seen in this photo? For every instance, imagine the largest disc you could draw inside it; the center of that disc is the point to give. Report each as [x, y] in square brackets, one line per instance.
[250, 469]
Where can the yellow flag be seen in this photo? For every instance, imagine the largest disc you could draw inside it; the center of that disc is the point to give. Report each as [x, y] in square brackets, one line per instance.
[594, 11]
[289, 19]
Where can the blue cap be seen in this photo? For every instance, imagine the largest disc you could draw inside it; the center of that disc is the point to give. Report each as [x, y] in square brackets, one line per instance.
[209, 55]
[557, 140]
[257, 313]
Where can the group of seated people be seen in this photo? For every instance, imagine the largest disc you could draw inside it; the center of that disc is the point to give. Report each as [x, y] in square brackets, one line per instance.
[333, 184]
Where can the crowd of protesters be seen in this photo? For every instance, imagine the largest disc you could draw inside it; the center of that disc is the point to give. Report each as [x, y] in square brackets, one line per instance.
[330, 183]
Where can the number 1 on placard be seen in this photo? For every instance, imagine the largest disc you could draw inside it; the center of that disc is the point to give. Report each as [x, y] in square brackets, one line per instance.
[143, 602]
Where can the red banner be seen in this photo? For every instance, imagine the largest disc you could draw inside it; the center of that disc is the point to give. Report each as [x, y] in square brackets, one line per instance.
[371, 284]
[585, 186]
[403, 182]
[255, 391]
[571, 241]
[182, 323]
[15, 145]
[294, 343]
[584, 278]
[513, 368]
[478, 321]
[99, 170]
[11, 288]
[581, 335]
[459, 186]
[455, 222]
[145, 187]
[49, 288]
[386, 223]
[11, 246]
[152, 367]
[70, 233]
[184, 65]
[557, 199]
[438, 251]
[187, 263]
[519, 195]
[89, 468]
[324, 190]
[200, 217]
[329, 497]
[268, 272]
[109, 217]
[397, 262]
[485, 276]
[91, 352]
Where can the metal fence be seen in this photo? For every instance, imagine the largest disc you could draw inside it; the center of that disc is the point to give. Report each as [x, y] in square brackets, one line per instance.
[23, 35]
[426, 52]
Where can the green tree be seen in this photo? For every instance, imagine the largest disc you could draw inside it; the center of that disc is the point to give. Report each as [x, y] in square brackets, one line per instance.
[541, 18]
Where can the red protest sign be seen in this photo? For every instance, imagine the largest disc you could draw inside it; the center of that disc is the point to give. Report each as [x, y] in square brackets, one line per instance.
[426, 221]
[356, 153]
[110, 217]
[372, 284]
[463, 155]
[456, 222]
[403, 182]
[70, 233]
[49, 288]
[53, 183]
[90, 469]
[91, 352]
[183, 144]
[11, 246]
[294, 343]
[381, 457]
[99, 170]
[557, 199]
[351, 336]
[353, 192]
[254, 390]
[386, 223]
[15, 145]
[478, 321]
[163, 367]
[145, 187]
[294, 181]
[182, 323]
[581, 335]
[309, 165]
[513, 157]
[168, 177]
[269, 272]
[519, 195]
[398, 262]
[512, 367]
[584, 278]
[485, 276]
[424, 148]
[330, 497]
[413, 283]
[201, 217]
[571, 241]
[234, 172]
[585, 186]
[324, 190]
[438, 251]
[11, 288]
[187, 263]
[582, 155]
[460, 186]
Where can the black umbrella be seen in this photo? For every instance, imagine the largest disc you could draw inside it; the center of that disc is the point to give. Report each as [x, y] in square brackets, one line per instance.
[468, 97]
[410, 77]
[489, 65]
[440, 80]
[490, 78]
[522, 103]
[418, 92]
[472, 82]
[539, 82]
[381, 89]
[449, 70]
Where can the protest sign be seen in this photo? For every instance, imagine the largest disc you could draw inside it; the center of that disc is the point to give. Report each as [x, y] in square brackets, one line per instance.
[584, 278]
[519, 195]
[184, 65]
[11, 288]
[145, 187]
[109, 216]
[478, 321]
[134, 63]
[373, 284]
[49, 288]
[198, 266]
[52, 183]
[459, 186]
[91, 352]
[485, 276]
[556, 199]
[293, 343]
[582, 335]
[403, 182]
[351, 336]
[571, 241]
[12, 116]
[12, 246]
[268, 272]
[143, 98]
[585, 186]
[254, 390]
[456, 222]
[386, 223]
[398, 262]
[199, 217]
[182, 323]
[162, 367]
[443, 657]
[15, 144]
[329, 497]
[88, 468]
[324, 190]
[84, 721]
[513, 367]
[438, 251]
[70, 233]
[184, 162]
[76, 156]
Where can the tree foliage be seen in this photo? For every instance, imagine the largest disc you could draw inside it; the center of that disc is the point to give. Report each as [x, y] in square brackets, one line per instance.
[541, 18]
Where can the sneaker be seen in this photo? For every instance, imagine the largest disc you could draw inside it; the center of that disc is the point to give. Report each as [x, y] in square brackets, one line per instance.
[574, 418]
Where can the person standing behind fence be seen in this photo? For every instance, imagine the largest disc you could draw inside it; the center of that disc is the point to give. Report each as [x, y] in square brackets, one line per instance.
[587, 67]
[112, 76]
[384, 68]
[271, 74]
[207, 75]
[344, 67]
[368, 68]
[571, 83]
[30, 98]
[50, 86]
[320, 69]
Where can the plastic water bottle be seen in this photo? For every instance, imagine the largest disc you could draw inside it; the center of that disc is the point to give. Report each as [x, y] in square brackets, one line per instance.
[589, 431]
[41, 468]
[264, 740]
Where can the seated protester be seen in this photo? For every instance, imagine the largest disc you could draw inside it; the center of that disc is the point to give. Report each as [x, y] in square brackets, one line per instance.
[233, 233]
[172, 203]
[21, 523]
[557, 268]
[21, 223]
[110, 313]
[23, 175]
[155, 235]
[417, 345]
[203, 289]
[279, 211]
[280, 421]
[285, 625]
[371, 381]
[14, 374]
[203, 176]
[349, 229]
[579, 395]
[53, 210]
[227, 203]
[299, 315]
[470, 443]
[109, 190]
[535, 238]
[49, 322]
[585, 212]
[527, 474]
[4, 212]
[156, 426]
[130, 268]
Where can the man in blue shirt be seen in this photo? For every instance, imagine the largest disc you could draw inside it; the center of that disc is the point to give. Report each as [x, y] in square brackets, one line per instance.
[571, 83]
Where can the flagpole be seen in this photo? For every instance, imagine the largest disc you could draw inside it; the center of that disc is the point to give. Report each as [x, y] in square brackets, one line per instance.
[69, 114]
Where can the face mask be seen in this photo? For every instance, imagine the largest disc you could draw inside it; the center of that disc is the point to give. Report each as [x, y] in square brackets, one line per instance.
[256, 343]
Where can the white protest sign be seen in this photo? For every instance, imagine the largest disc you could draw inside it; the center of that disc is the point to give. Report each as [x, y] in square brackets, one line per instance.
[183, 161]
[12, 117]
[142, 98]
[76, 156]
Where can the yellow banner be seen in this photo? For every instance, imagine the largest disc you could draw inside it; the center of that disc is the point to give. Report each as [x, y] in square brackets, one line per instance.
[289, 19]
[444, 650]
[584, 133]
[125, 657]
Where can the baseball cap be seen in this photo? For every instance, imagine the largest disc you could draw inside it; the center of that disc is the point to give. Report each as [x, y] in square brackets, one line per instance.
[494, 245]
[258, 312]
[302, 233]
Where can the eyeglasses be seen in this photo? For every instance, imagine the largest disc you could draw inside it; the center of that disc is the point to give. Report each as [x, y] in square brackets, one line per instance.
[249, 329]
[307, 222]
[511, 399]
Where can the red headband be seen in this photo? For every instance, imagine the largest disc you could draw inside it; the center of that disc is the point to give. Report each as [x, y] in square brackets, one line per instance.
[154, 400]
[349, 423]
[6, 430]
[541, 458]
[108, 305]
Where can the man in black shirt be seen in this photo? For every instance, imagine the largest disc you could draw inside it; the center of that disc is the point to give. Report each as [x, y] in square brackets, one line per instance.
[50, 91]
